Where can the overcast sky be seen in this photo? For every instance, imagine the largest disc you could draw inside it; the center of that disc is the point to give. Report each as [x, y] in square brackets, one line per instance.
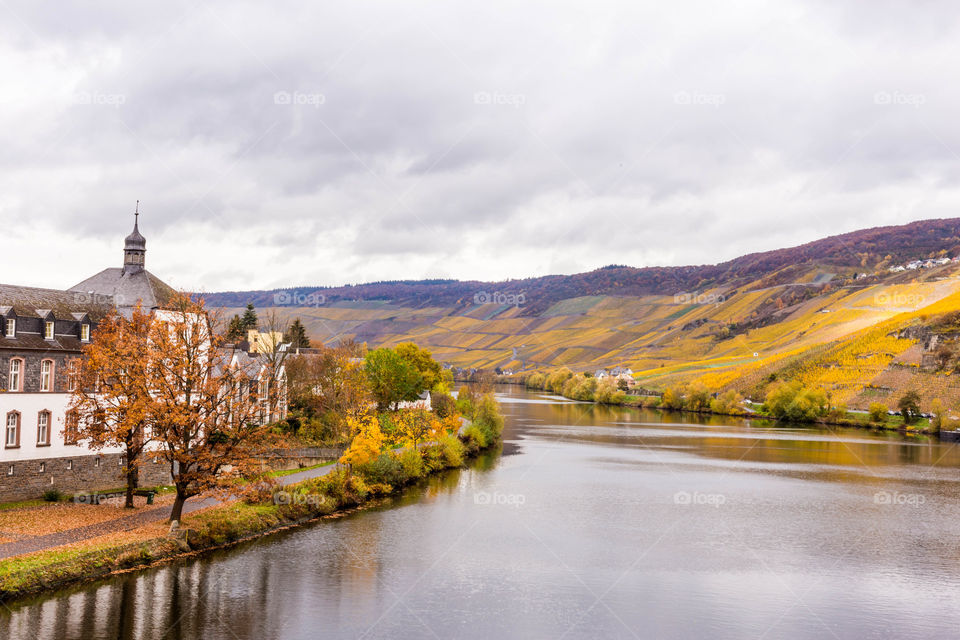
[280, 144]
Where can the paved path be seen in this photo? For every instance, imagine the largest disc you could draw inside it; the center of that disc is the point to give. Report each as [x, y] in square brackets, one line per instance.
[133, 520]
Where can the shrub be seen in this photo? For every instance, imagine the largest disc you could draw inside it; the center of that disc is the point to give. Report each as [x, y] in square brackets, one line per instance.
[411, 462]
[535, 381]
[452, 451]
[877, 412]
[728, 403]
[53, 495]
[909, 406]
[385, 469]
[672, 399]
[443, 404]
[939, 412]
[792, 401]
[608, 393]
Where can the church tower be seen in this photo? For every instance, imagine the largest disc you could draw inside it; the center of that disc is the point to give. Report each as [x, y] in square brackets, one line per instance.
[135, 247]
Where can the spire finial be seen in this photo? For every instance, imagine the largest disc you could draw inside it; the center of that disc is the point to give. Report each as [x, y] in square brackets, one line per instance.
[136, 215]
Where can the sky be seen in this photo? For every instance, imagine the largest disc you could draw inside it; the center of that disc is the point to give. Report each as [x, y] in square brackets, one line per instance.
[318, 143]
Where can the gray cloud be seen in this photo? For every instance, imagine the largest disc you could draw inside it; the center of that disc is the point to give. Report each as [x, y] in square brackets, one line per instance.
[301, 143]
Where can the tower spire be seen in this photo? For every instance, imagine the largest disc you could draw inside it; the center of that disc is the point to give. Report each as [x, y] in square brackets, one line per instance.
[135, 246]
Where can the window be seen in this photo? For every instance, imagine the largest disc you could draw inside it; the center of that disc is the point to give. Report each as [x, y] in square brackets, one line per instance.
[10, 470]
[70, 424]
[46, 375]
[11, 438]
[43, 467]
[69, 465]
[73, 373]
[48, 330]
[16, 375]
[85, 332]
[43, 429]
[11, 327]
[96, 462]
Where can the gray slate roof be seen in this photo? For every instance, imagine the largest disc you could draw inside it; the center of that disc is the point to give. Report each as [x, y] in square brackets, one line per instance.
[127, 289]
[26, 301]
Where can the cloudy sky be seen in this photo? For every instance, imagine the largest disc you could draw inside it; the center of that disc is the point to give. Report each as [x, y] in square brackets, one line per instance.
[280, 144]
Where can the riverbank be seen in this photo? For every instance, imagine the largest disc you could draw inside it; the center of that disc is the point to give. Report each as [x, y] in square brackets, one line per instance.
[262, 512]
[850, 419]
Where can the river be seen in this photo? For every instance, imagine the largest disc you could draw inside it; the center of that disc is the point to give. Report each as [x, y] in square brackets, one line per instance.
[592, 522]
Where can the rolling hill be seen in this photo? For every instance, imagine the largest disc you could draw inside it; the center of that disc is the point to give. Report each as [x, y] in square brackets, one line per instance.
[830, 311]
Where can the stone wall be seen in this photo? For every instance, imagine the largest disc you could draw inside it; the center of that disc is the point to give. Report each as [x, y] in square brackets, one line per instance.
[31, 478]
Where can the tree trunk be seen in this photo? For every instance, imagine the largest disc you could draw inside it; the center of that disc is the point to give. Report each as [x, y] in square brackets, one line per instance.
[133, 479]
[177, 512]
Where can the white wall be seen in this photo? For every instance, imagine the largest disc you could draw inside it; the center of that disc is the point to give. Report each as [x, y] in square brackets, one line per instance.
[30, 405]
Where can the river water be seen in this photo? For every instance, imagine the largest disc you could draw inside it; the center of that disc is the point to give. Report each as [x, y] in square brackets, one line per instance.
[592, 522]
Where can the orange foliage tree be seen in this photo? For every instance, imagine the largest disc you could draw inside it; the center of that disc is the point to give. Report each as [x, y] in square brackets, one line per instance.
[110, 403]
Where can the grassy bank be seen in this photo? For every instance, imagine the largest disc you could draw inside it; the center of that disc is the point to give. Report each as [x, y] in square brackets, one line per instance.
[267, 510]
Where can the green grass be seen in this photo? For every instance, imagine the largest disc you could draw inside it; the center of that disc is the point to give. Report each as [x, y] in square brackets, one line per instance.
[23, 504]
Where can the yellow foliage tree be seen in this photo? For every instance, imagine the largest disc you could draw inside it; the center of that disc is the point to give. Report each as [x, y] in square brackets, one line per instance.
[367, 440]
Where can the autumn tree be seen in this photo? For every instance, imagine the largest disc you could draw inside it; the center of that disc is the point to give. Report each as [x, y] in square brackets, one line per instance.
[329, 385]
[392, 378]
[909, 406]
[208, 415]
[367, 440]
[110, 405]
[422, 360]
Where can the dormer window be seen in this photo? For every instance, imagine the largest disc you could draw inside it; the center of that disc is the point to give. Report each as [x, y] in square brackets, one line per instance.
[11, 328]
[85, 332]
[48, 330]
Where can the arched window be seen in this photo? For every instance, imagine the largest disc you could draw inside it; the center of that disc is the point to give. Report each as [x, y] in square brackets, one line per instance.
[46, 375]
[15, 381]
[43, 429]
[71, 425]
[11, 435]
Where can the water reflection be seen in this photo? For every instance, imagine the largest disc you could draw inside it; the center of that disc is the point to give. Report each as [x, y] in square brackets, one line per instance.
[800, 546]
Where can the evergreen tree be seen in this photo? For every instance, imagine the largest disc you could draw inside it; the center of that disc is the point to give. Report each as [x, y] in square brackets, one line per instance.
[235, 330]
[297, 336]
[249, 319]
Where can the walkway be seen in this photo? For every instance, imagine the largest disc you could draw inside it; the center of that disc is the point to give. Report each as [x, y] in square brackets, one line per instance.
[133, 520]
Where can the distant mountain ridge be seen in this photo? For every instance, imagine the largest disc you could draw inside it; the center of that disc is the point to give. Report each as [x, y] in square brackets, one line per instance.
[866, 248]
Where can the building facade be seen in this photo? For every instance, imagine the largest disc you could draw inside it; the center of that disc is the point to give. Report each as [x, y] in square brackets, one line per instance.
[42, 334]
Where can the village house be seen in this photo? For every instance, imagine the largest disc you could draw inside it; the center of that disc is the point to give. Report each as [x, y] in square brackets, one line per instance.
[42, 333]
